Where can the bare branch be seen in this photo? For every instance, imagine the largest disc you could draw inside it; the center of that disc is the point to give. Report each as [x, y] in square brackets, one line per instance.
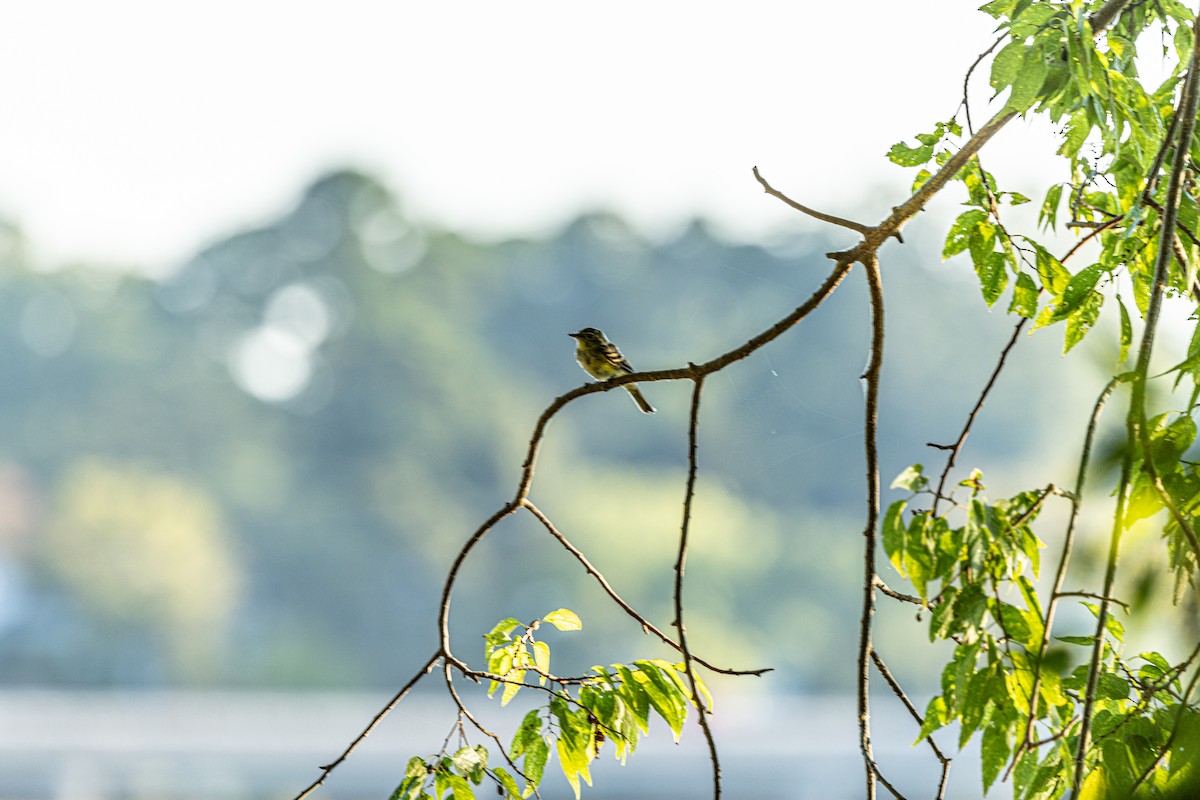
[966, 431]
[870, 531]
[383, 712]
[684, 529]
[646, 624]
[857, 227]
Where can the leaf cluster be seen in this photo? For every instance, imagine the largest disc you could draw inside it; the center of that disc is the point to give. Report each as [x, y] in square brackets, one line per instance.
[579, 715]
[1006, 681]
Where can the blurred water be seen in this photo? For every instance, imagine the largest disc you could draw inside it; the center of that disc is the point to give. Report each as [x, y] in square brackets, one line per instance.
[237, 746]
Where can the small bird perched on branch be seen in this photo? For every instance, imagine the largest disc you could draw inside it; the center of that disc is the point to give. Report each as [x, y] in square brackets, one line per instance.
[601, 359]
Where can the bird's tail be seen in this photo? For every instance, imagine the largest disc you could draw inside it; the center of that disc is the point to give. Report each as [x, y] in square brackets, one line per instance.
[641, 401]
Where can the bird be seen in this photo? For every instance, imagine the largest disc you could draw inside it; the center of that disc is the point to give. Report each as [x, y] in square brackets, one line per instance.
[601, 359]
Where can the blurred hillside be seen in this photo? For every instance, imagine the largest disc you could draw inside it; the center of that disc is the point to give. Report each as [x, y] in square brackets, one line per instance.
[256, 472]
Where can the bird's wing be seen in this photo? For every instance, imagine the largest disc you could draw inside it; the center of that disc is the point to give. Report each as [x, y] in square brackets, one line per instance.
[614, 357]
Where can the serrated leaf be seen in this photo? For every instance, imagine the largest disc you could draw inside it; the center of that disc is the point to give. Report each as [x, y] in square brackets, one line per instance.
[536, 753]
[993, 753]
[564, 619]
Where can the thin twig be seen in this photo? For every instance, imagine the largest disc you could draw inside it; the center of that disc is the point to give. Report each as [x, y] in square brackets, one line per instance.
[383, 712]
[966, 104]
[966, 431]
[463, 710]
[892, 593]
[899, 692]
[870, 533]
[646, 624]
[684, 530]
[857, 227]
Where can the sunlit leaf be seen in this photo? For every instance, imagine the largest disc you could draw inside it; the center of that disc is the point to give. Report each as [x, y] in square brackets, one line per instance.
[564, 619]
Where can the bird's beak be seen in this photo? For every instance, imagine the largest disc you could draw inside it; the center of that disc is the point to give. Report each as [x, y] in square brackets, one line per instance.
[575, 335]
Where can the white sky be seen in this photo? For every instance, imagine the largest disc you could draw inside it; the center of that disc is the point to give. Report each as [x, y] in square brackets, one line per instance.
[137, 131]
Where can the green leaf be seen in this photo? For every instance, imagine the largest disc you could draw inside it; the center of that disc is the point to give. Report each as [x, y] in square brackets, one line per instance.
[1081, 320]
[1048, 216]
[507, 783]
[1053, 274]
[459, 788]
[1112, 686]
[664, 697]
[1079, 289]
[574, 764]
[959, 236]
[536, 753]
[1029, 79]
[1156, 659]
[999, 8]
[994, 751]
[1086, 641]
[1025, 297]
[1006, 65]
[1169, 442]
[993, 276]
[528, 731]
[635, 697]
[936, 716]
[911, 479]
[1126, 331]
[982, 242]
[919, 551]
[415, 774]
[564, 619]
[541, 659]
[921, 178]
[471, 762]
[500, 633]
[895, 534]
[906, 156]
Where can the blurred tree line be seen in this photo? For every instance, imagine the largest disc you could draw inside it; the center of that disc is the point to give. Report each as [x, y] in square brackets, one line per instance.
[255, 471]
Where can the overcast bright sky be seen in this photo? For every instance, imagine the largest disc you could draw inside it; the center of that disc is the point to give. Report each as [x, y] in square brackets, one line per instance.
[138, 131]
